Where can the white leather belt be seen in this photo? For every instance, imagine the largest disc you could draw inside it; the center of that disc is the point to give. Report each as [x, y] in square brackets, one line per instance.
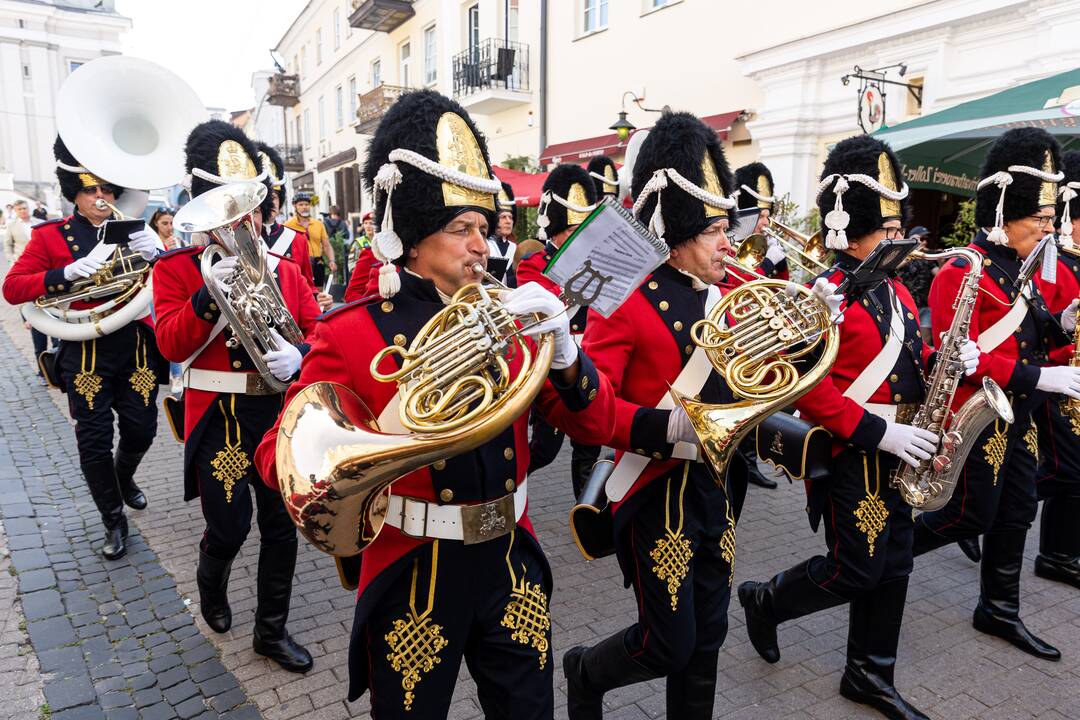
[468, 523]
[239, 383]
[888, 412]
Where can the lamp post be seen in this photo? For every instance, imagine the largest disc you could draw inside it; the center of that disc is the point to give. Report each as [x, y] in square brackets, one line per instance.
[624, 127]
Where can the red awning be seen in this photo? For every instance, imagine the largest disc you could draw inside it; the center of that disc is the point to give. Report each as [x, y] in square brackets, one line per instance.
[583, 150]
[527, 186]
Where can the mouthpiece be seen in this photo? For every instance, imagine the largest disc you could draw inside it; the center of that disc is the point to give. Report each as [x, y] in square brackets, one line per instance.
[100, 204]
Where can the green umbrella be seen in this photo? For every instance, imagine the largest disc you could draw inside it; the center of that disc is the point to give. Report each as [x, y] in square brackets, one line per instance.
[944, 151]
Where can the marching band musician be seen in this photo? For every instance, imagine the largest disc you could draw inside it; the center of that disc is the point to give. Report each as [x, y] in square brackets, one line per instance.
[501, 244]
[755, 189]
[605, 177]
[674, 526]
[118, 372]
[995, 495]
[285, 241]
[866, 403]
[228, 408]
[478, 593]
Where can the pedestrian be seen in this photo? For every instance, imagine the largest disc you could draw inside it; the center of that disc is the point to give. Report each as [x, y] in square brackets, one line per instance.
[161, 222]
[319, 249]
[40, 212]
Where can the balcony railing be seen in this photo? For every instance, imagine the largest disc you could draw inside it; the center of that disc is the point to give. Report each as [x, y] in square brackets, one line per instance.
[284, 90]
[492, 65]
[373, 104]
[292, 156]
[380, 15]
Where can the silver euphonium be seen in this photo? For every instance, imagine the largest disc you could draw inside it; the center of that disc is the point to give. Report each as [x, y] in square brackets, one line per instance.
[251, 301]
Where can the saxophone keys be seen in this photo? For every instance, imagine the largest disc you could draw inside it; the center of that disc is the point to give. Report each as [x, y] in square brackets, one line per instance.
[941, 463]
[952, 440]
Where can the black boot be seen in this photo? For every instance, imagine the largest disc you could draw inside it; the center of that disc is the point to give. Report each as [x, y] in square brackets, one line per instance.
[126, 464]
[591, 672]
[101, 479]
[691, 692]
[212, 577]
[790, 594]
[582, 460]
[276, 566]
[873, 634]
[970, 548]
[998, 611]
[1059, 540]
[753, 475]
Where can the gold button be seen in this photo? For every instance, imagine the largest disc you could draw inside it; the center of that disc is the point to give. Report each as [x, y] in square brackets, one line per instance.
[897, 397]
[910, 316]
[71, 238]
[918, 333]
[75, 248]
[387, 306]
[208, 316]
[510, 485]
[1024, 361]
[1023, 343]
[894, 377]
[653, 285]
[688, 349]
[1023, 397]
[639, 451]
[574, 328]
[508, 453]
[446, 494]
[438, 464]
[878, 318]
[67, 227]
[236, 363]
[865, 302]
[1001, 280]
[213, 306]
[399, 339]
[664, 305]
[987, 262]
[592, 394]
[677, 325]
[657, 456]
[585, 382]
[52, 288]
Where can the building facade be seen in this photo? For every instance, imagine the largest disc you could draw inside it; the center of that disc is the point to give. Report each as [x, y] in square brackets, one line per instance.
[41, 43]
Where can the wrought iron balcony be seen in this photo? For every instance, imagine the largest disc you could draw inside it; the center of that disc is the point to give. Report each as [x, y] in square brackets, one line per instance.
[380, 15]
[284, 90]
[373, 104]
[492, 76]
[292, 156]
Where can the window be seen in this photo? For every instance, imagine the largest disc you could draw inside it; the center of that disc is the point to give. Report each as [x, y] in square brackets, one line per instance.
[22, 23]
[914, 104]
[26, 71]
[337, 28]
[352, 99]
[299, 132]
[318, 46]
[659, 3]
[348, 27]
[376, 73]
[595, 15]
[296, 64]
[307, 128]
[303, 61]
[403, 75]
[322, 118]
[512, 21]
[74, 65]
[431, 61]
[339, 107]
[473, 25]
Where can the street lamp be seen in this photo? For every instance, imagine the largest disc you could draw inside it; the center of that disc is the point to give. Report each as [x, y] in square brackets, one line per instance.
[623, 127]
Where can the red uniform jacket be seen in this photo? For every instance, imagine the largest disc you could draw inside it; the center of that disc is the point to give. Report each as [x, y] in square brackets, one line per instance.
[531, 269]
[1059, 295]
[343, 345]
[364, 281]
[297, 251]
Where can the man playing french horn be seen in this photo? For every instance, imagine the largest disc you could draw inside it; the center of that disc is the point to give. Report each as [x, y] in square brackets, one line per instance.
[118, 372]
[452, 569]
[229, 405]
[866, 402]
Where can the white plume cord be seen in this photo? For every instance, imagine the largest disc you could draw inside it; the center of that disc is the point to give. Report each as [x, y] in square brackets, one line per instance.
[1003, 179]
[72, 168]
[1067, 193]
[659, 181]
[542, 220]
[756, 195]
[837, 219]
[219, 180]
[603, 179]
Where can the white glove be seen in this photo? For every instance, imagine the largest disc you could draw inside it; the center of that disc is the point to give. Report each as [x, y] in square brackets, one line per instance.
[969, 355]
[774, 253]
[679, 427]
[533, 298]
[1062, 379]
[223, 270]
[82, 268]
[144, 242]
[910, 444]
[324, 300]
[826, 292]
[285, 361]
[1068, 317]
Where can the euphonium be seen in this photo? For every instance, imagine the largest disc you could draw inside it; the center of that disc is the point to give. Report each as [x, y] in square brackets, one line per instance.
[335, 463]
[930, 485]
[758, 355]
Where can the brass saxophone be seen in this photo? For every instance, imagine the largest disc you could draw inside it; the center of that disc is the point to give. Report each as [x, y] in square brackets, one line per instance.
[930, 485]
[1070, 408]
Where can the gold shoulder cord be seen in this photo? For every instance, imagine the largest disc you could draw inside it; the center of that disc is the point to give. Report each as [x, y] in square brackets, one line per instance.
[415, 641]
[88, 382]
[994, 449]
[231, 462]
[1031, 439]
[871, 512]
[143, 380]
[527, 612]
[672, 554]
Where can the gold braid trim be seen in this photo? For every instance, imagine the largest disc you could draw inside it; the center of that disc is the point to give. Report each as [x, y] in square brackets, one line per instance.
[143, 380]
[527, 613]
[415, 641]
[871, 512]
[88, 382]
[231, 462]
[673, 553]
[1031, 439]
[994, 449]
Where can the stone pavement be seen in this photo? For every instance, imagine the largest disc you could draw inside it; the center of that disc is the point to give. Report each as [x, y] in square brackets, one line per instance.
[124, 639]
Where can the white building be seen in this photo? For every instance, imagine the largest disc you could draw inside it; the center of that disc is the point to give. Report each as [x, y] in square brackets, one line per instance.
[41, 43]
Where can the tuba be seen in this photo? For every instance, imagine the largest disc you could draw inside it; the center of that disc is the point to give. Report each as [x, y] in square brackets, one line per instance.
[126, 120]
[252, 304]
[336, 464]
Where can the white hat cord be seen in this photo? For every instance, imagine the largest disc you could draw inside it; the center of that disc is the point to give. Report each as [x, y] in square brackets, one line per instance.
[756, 195]
[659, 181]
[71, 168]
[542, 220]
[602, 178]
[1067, 193]
[219, 180]
[837, 219]
[1003, 179]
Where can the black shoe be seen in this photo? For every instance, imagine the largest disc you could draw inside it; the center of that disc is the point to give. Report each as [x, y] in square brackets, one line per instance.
[212, 577]
[277, 563]
[591, 672]
[790, 594]
[970, 548]
[101, 480]
[582, 460]
[753, 475]
[998, 611]
[126, 464]
[691, 692]
[873, 635]
[1059, 541]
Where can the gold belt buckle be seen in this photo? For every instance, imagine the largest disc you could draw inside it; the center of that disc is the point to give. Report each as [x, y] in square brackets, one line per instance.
[905, 413]
[487, 521]
[256, 385]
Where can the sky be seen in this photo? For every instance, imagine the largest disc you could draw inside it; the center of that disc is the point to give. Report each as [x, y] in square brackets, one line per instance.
[214, 45]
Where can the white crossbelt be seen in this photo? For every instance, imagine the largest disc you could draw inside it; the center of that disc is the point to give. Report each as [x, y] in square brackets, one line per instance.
[870, 379]
[994, 335]
[882, 410]
[419, 518]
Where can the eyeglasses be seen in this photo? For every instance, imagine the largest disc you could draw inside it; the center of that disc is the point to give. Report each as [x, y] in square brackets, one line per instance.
[1045, 221]
[893, 233]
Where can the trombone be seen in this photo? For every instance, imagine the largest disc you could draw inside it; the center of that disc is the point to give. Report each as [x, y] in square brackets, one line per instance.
[808, 253]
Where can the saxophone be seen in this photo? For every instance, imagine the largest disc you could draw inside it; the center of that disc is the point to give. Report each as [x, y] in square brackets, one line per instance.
[1070, 408]
[930, 485]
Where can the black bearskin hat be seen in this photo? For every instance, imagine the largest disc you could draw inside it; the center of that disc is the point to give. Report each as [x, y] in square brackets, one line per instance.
[683, 143]
[505, 201]
[71, 182]
[419, 204]
[604, 166]
[204, 151]
[1070, 165]
[866, 209]
[275, 178]
[1033, 148]
[758, 178]
[571, 183]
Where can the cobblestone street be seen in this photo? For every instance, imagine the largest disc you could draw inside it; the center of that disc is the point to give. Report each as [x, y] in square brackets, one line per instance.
[125, 640]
